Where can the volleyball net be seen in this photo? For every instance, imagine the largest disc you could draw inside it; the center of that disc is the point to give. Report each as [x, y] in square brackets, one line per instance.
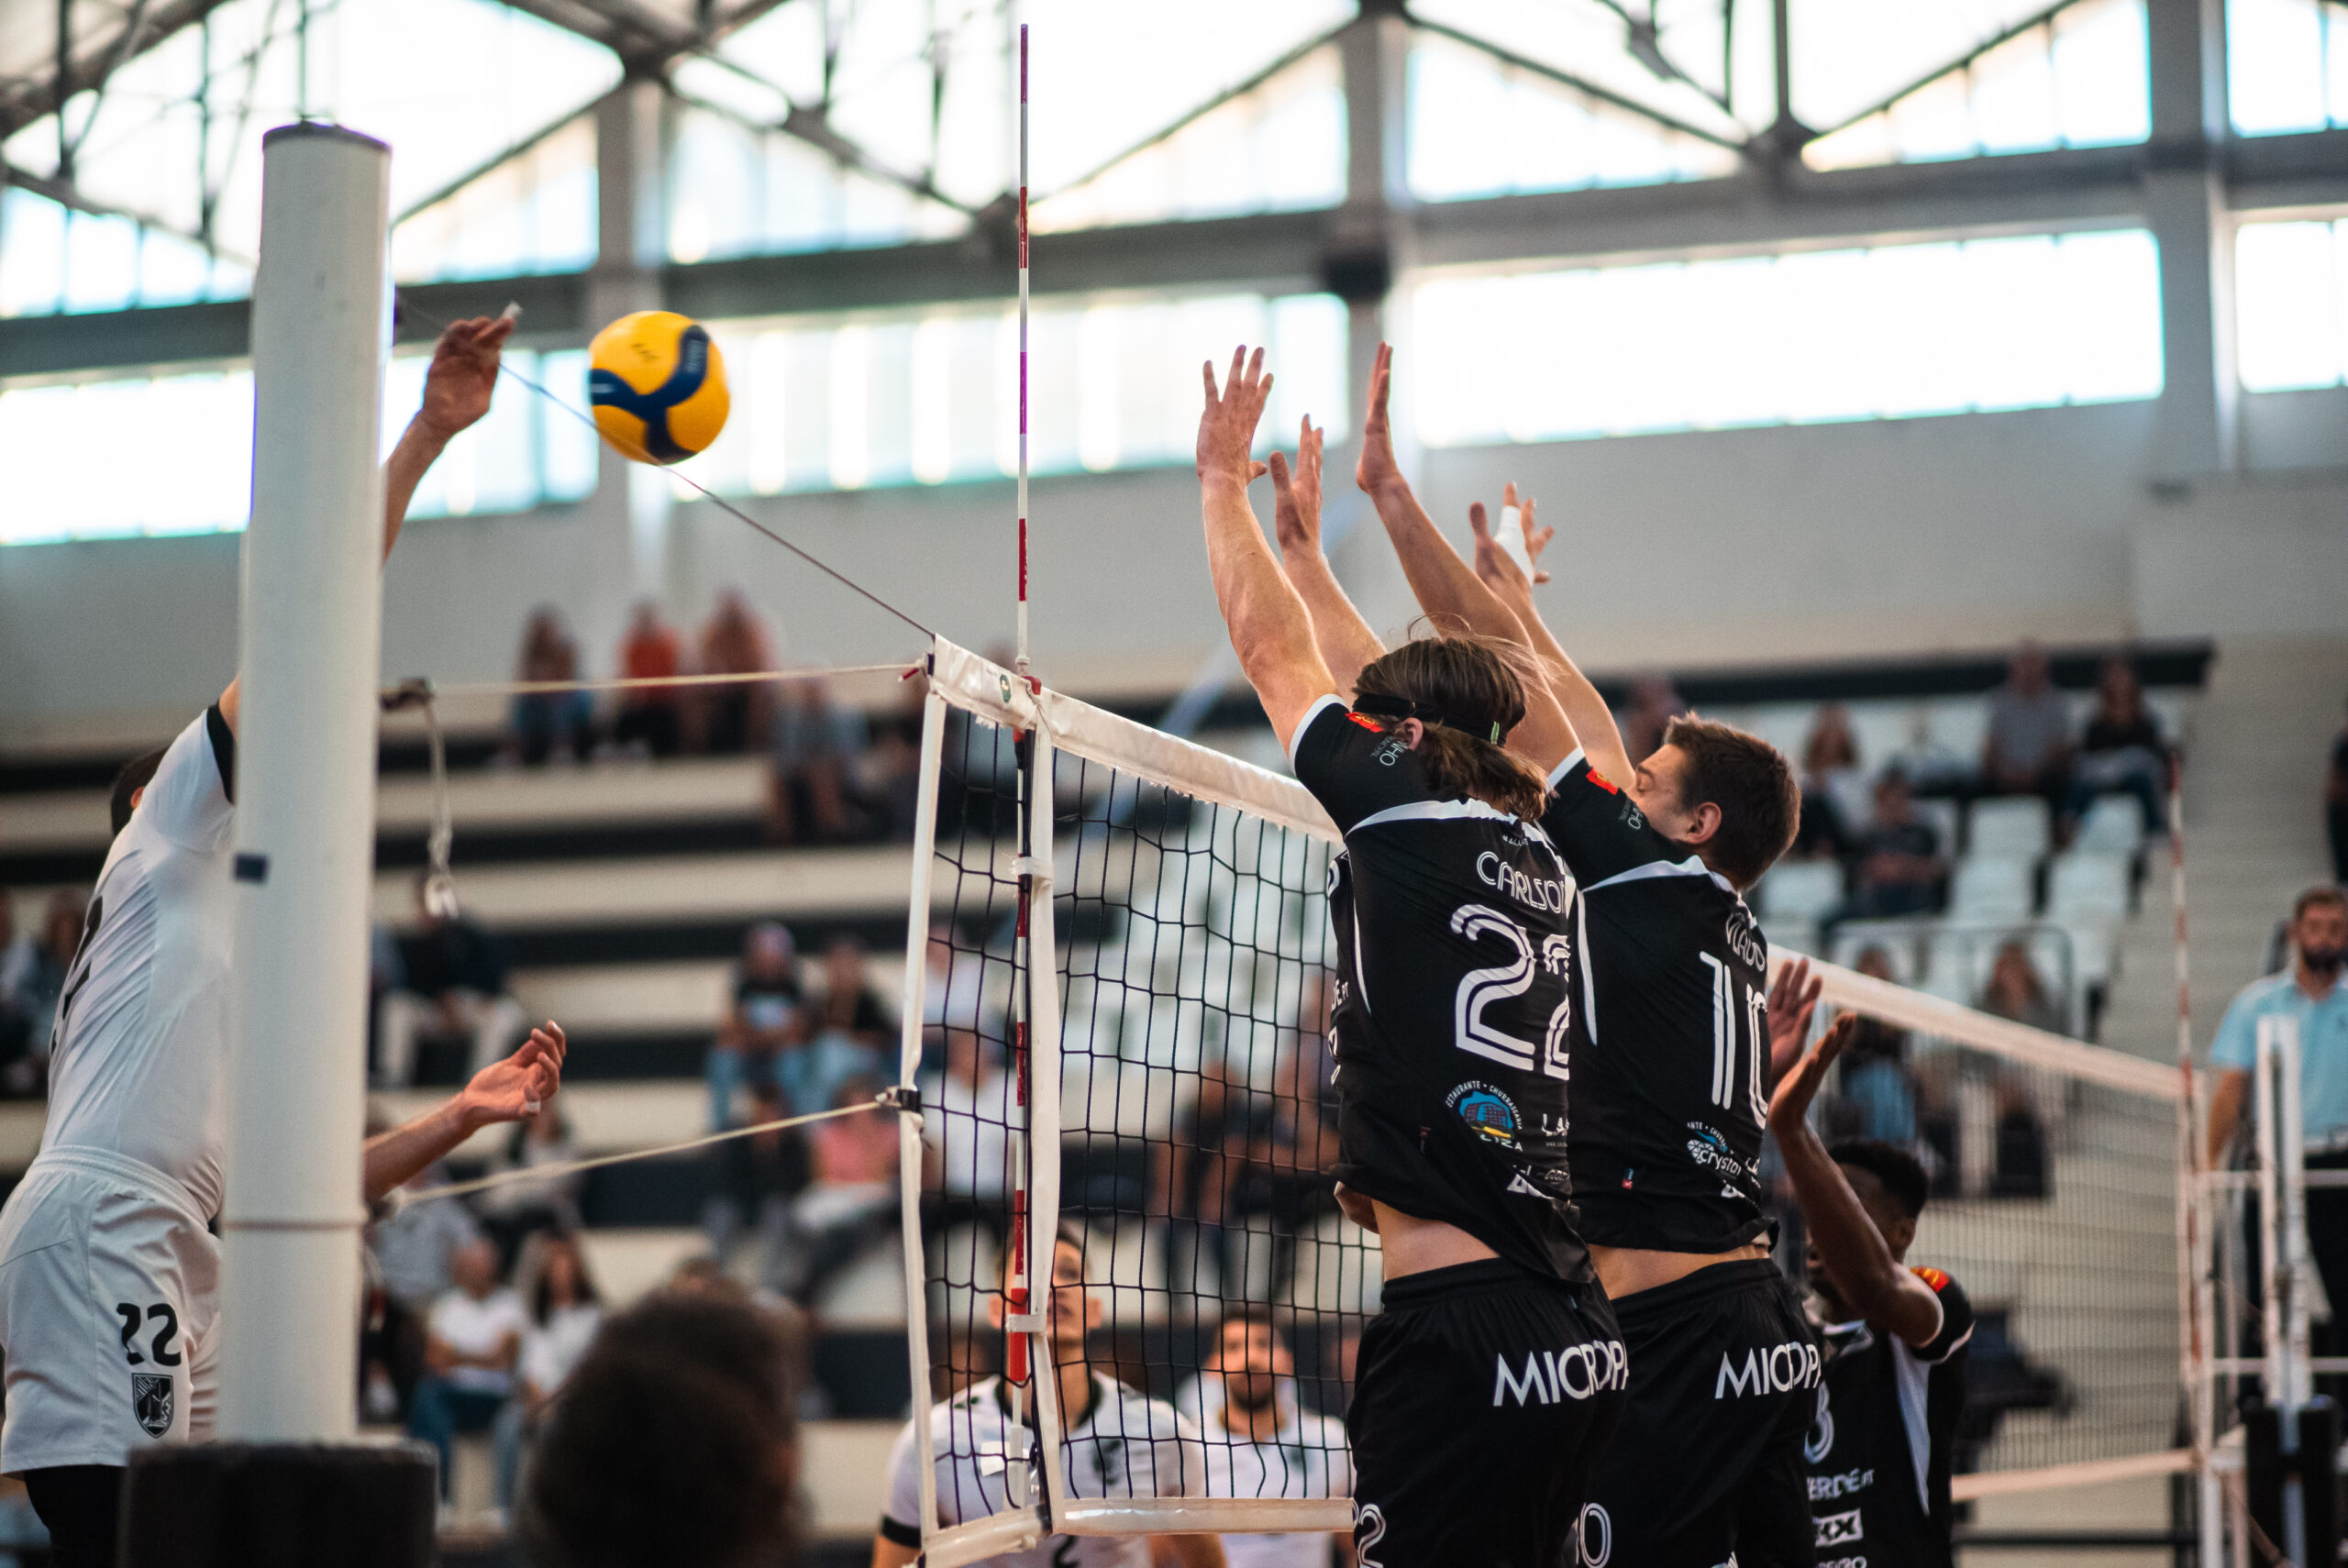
[1115, 1008]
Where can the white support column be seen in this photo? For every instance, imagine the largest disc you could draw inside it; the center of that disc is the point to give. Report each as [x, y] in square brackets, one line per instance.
[305, 783]
[632, 502]
[2184, 205]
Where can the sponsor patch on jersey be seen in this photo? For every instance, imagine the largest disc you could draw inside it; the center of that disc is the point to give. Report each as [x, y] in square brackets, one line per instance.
[1931, 1276]
[150, 1402]
[1603, 782]
[1393, 751]
[1487, 1109]
[1839, 1529]
[1366, 721]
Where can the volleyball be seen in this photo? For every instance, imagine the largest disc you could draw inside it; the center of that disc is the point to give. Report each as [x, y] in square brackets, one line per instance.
[658, 385]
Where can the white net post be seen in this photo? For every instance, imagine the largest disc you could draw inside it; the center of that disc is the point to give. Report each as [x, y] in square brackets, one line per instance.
[910, 1151]
[1043, 1055]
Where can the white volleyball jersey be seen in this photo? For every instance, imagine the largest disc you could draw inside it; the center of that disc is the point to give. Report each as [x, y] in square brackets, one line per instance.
[1307, 1457]
[1123, 1444]
[137, 1061]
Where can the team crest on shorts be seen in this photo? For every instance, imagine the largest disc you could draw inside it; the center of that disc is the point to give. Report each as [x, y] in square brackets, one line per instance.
[151, 1401]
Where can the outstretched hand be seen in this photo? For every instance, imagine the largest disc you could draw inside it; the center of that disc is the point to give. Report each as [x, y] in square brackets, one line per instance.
[1789, 1106]
[518, 1086]
[1793, 1000]
[1227, 426]
[463, 374]
[1498, 569]
[1296, 506]
[1377, 469]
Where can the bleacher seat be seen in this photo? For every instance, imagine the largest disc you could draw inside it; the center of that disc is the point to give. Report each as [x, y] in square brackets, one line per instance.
[1989, 889]
[2084, 884]
[2012, 828]
[1899, 948]
[1800, 889]
[2113, 825]
[1948, 967]
[1941, 814]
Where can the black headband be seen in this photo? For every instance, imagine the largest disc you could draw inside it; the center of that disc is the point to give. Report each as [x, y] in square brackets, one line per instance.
[1398, 708]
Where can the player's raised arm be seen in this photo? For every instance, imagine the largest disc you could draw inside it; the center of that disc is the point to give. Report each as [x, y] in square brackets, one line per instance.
[1592, 720]
[1447, 588]
[456, 395]
[509, 1091]
[1346, 641]
[1857, 1258]
[1270, 629]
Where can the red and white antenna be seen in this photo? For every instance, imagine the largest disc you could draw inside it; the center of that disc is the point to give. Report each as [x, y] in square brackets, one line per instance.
[1022, 349]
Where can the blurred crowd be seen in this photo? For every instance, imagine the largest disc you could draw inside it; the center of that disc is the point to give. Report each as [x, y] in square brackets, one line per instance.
[837, 776]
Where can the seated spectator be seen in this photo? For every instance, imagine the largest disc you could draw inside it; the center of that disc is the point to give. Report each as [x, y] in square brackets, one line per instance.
[675, 1441]
[16, 1019]
[954, 994]
[2122, 751]
[565, 1312]
[472, 1341]
[32, 981]
[2016, 991]
[1931, 767]
[1655, 702]
[891, 773]
[1876, 1083]
[651, 722]
[813, 744]
[518, 1210]
[850, 1201]
[735, 642]
[1261, 1442]
[1833, 797]
[2335, 806]
[1197, 1183]
[454, 985]
[2028, 749]
[763, 1021]
[558, 725]
[411, 1244]
[845, 1031]
[754, 1181]
[1897, 865]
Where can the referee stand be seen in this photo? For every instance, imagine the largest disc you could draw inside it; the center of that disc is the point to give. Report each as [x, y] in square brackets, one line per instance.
[2282, 1473]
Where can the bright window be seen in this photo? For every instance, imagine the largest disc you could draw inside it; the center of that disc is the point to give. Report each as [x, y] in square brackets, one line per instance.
[2287, 65]
[60, 477]
[1890, 332]
[923, 398]
[2291, 305]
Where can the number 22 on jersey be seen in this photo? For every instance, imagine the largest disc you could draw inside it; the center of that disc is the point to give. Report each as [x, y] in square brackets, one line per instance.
[1480, 988]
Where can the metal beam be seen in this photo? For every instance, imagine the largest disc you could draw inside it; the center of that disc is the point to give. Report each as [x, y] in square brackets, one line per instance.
[2085, 188]
[23, 102]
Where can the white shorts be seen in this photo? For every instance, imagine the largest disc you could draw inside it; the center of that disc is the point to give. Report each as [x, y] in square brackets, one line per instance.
[109, 1294]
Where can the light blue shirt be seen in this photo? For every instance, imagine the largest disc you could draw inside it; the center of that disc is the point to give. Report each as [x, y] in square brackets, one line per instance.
[2323, 1045]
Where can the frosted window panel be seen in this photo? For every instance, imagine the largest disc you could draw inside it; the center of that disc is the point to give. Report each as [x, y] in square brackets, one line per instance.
[848, 454]
[35, 500]
[32, 253]
[100, 263]
[971, 404]
[2275, 59]
[1099, 373]
[1454, 321]
[1308, 336]
[2335, 68]
[1733, 344]
[1836, 299]
[1459, 115]
[535, 212]
[1053, 406]
[2288, 306]
[932, 424]
[2109, 286]
[761, 389]
[2013, 95]
[171, 270]
[2021, 315]
[2102, 81]
[807, 421]
[567, 443]
[1918, 340]
[888, 404]
[1003, 393]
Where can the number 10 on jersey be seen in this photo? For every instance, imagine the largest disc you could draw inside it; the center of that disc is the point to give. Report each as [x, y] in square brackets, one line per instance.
[1756, 1024]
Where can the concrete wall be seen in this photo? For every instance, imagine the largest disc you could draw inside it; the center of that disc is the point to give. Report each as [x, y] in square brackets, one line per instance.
[1681, 549]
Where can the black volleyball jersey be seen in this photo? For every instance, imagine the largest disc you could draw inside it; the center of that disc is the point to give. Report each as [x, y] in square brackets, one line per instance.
[1880, 1448]
[1457, 996]
[1671, 1091]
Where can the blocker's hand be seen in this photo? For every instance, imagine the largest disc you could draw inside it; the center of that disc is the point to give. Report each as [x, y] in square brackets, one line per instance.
[464, 373]
[1790, 1105]
[1296, 507]
[520, 1086]
[1377, 469]
[1792, 1001]
[1495, 566]
[1227, 426]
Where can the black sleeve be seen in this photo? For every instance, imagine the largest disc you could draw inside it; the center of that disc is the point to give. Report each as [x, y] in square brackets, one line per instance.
[1956, 1318]
[1352, 765]
[224, 749]
[1598, 827]
[903, 1535]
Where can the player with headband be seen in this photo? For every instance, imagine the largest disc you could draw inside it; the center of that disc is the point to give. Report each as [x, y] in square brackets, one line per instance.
[1491, 1377]
[109, 1276]
[1670, 1089]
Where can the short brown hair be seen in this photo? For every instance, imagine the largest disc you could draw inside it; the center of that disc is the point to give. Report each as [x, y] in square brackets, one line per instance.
[1752, 785]
[2321, 893]
[1468, 697]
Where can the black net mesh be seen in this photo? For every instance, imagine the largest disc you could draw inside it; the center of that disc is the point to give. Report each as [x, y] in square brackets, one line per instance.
[2053, 1204]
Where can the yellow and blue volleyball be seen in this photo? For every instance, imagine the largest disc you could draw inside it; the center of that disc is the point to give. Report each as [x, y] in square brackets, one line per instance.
[658, 385]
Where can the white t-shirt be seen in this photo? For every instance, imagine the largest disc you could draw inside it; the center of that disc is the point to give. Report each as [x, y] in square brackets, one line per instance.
[473, 1327]
[970, 1130]
[550, 1350]
[1306, 1457]
[140, 1049]
[1125, 1445]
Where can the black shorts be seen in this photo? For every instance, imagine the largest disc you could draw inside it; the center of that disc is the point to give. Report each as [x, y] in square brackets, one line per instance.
[1707, 1461]
[1481, 1399]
